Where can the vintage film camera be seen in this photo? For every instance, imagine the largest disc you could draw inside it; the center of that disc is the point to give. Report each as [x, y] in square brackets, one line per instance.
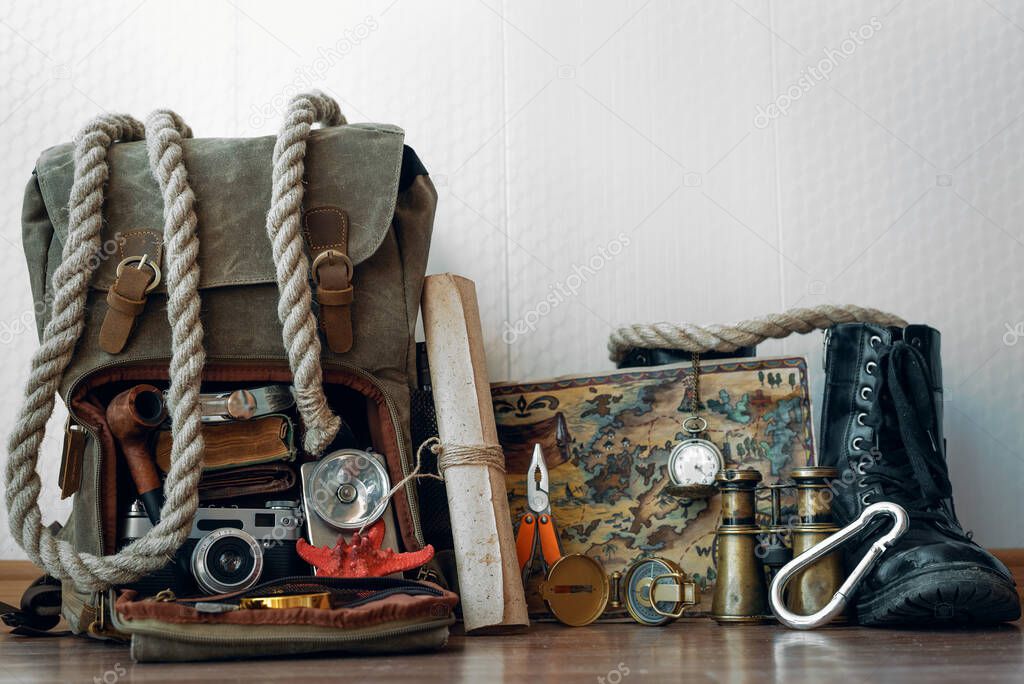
[228, 550]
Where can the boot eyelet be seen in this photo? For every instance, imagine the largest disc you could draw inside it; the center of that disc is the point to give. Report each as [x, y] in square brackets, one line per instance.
[855, 444]
[865, 393]
[865, 499]
[858, 468]
[875, 341]
[870, 367]
[860, 418]
[916, 341]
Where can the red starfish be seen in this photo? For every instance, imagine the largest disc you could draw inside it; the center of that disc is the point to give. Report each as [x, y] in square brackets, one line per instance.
[363, 557]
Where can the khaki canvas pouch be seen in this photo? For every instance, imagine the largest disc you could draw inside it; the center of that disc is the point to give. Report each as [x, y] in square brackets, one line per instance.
[367, 615]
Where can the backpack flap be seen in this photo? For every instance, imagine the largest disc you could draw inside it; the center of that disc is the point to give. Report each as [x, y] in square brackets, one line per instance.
[352, 176]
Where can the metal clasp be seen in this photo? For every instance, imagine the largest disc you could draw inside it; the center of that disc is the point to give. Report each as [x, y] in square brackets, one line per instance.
[681, 592]
[100, 628]
[901, 522]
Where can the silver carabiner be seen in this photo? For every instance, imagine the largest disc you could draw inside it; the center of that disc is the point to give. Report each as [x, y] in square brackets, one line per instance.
[901, 522]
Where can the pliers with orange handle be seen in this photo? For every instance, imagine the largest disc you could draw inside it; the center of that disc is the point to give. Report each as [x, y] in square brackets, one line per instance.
[536, 526]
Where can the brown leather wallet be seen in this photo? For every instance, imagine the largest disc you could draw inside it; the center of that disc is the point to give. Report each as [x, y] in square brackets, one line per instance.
[235, 444]
[267, 478]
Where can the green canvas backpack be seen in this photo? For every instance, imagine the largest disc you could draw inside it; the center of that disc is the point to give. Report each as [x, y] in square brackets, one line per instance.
[161, 258]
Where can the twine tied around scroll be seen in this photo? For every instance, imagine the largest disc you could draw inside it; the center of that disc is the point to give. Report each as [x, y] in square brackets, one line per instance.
[449, 455]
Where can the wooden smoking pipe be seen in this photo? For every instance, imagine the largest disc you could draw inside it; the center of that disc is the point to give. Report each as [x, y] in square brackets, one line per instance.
[132, 416]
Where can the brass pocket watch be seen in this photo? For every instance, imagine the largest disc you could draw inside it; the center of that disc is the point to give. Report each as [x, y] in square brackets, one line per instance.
[694, 462]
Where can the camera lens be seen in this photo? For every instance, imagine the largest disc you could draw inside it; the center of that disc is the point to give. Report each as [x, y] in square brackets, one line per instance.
[227, 560]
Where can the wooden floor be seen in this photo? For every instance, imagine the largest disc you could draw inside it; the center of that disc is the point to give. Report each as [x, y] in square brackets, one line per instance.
[687, 651]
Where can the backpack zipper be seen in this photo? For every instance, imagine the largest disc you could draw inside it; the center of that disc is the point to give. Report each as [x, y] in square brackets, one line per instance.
[387, 587]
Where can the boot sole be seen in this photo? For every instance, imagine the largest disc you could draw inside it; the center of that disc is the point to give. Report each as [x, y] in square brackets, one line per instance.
[953, 597]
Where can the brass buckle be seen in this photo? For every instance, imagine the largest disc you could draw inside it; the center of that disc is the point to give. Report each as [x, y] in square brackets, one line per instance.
[330, 254]
[143, 260]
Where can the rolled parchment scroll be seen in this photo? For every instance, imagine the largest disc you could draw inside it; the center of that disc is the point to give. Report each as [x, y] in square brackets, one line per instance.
[490, 585]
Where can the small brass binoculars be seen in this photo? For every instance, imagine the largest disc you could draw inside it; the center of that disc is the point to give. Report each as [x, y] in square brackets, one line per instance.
[741, 591]
[747, 551]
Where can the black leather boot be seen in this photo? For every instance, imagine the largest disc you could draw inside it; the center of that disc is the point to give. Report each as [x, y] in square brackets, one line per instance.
[881, 426]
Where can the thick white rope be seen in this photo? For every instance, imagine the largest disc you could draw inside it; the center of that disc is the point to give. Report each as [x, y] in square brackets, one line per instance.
[284, 229]
[727, 338]
[70, 285]
[164, 133]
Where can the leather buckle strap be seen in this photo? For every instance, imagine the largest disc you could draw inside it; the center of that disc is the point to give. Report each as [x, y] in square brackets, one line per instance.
[138, 274]
[326, 231]
[324, 295]
[126, 299]
[39, 611]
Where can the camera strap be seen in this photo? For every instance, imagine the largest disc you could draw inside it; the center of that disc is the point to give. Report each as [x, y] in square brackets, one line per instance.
[39, 612]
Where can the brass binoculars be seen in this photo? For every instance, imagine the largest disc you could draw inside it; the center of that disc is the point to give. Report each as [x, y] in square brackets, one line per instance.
[747, 552]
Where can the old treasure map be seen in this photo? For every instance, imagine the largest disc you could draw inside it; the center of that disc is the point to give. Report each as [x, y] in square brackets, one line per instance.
[607, 439]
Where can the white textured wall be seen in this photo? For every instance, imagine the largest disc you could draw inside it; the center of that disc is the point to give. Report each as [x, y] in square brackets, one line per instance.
[624, 135]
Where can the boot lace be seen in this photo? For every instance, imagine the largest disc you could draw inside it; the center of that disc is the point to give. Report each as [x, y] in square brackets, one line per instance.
[912, 470]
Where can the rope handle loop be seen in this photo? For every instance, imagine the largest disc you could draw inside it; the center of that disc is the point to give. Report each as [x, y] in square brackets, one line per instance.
[163, 132]
[727, 338]
[294, 306]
